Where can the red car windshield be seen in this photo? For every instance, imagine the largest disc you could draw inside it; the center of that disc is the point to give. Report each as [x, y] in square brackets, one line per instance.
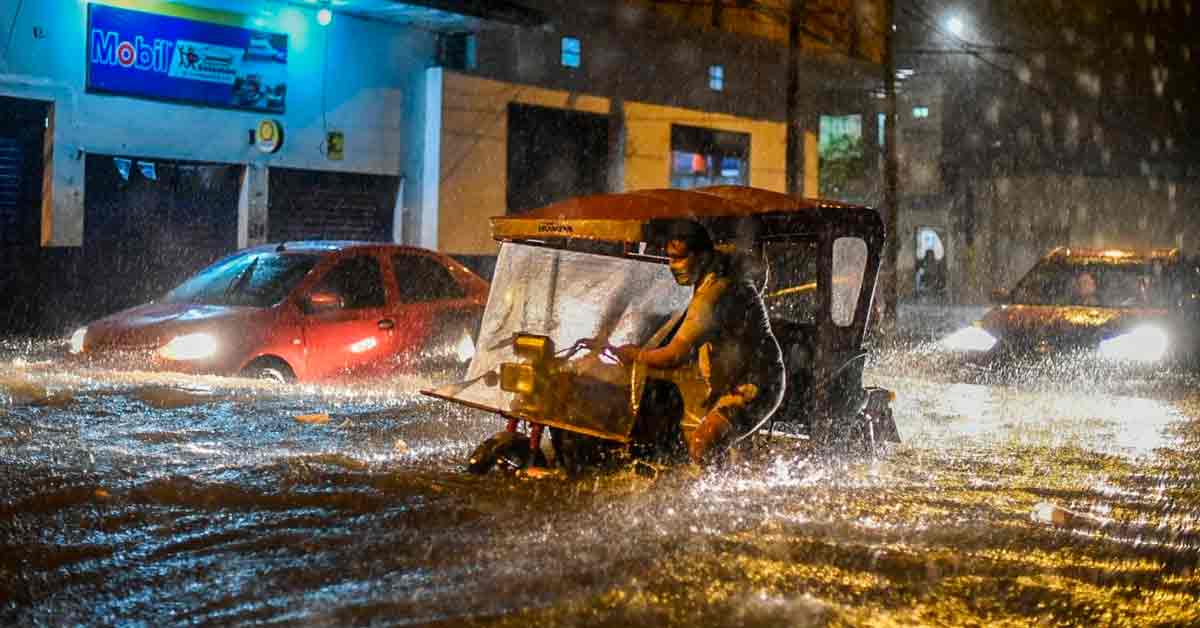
[251, 279]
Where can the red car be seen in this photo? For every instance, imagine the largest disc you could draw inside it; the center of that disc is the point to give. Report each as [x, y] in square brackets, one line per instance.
[303, 311]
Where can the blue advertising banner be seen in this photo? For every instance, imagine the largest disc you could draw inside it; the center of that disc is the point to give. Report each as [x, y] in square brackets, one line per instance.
[171, 58]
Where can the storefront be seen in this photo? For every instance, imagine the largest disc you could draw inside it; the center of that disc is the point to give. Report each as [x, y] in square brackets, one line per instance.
[173, 135]
[22, 142]
[323, 205]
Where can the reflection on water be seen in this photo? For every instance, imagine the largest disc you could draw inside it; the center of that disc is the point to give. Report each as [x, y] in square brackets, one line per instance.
[129, 496]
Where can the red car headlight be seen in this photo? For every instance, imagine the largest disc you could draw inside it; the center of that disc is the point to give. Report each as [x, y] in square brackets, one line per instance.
[77, 338]
[189, 347]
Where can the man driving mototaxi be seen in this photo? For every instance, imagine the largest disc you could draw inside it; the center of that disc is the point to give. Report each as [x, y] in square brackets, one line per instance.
[726, 328]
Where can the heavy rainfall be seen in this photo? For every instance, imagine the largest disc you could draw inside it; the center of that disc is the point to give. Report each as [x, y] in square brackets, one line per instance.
[277, 273]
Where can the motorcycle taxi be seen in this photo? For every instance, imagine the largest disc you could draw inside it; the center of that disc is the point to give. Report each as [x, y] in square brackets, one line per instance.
[579, 277]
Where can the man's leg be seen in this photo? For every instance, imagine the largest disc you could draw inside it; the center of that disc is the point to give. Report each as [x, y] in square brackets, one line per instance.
[710, 437]
[727, 418]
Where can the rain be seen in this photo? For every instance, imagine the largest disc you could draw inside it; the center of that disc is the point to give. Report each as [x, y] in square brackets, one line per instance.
[277, 273]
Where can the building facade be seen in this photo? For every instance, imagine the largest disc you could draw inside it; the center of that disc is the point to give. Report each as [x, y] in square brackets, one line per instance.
[151, 137]
[1062, 123]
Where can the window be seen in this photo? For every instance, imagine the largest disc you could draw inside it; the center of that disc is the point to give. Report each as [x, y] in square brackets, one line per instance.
[270, 279]
[572, 52]
[701, 157]
[211, 284]
[247, 280]
[841, 154]
[791, 293]
[554, 154]
[716, 78]
[849, 264]
[1111, 285]
[357, 281]
[920, 112]
[423, 279]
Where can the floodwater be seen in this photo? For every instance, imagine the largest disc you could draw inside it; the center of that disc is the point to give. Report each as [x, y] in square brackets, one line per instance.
[136, 498]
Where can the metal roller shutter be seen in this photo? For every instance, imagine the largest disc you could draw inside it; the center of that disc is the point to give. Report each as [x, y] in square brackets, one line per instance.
[314, 205]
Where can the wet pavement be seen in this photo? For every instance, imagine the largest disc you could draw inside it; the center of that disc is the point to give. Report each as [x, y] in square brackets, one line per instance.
[137, 498]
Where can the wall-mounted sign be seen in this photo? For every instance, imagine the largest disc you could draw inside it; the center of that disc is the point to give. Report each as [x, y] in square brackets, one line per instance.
[269, 136]
[335, 145]
[171, 58]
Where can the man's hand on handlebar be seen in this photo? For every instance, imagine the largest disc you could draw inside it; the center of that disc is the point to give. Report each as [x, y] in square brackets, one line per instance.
[627, 354]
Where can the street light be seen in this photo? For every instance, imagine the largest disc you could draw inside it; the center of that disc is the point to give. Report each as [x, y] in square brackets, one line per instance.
[956, 25]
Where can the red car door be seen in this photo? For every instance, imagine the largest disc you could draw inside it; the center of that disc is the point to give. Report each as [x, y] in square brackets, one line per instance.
[433, 310]
[348, 326]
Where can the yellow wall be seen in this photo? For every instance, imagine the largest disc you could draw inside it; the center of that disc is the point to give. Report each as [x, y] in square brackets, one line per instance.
[648, 145]
[474, 168]
[474, 153]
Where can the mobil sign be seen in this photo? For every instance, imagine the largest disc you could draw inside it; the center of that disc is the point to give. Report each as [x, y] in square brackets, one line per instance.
[134, 53]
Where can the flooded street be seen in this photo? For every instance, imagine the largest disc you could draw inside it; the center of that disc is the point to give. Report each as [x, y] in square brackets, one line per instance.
[129, 497]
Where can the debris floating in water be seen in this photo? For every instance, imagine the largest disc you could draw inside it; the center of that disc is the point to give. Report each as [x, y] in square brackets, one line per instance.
[313, 419]
[542, 473]
[1046, 512]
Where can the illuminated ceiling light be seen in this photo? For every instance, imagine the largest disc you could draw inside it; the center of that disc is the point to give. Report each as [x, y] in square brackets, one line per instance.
[324, 16]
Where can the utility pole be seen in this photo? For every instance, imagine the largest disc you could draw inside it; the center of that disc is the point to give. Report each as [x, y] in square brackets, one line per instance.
[794, 149]
[891, 177]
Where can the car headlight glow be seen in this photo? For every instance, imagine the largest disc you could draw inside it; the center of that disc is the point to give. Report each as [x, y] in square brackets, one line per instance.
[969, 339]
[77, 339]
[189, 347]
[465, 349]
[1143, 344]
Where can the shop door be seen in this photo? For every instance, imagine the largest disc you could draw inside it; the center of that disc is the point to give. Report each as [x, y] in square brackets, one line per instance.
[22, 139]
[554, 154]
[930, 279]
[149, 224]
[314, 205]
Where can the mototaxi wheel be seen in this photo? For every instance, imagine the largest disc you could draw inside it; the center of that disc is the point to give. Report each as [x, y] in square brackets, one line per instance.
[574, 452]
[508, 448]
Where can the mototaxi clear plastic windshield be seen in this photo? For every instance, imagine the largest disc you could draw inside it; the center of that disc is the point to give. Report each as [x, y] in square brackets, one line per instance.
[567, 296]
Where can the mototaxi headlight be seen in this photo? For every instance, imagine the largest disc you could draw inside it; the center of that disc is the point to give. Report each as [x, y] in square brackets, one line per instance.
[518, 378]
[533, 347]
[1143, 344]
[77, 337]
[196, 346]
[968, 339]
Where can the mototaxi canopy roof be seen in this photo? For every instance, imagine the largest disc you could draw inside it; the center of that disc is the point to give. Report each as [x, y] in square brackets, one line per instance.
[730, 213]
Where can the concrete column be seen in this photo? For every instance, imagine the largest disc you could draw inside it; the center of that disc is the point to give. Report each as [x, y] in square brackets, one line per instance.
[252, 206]
[397, 213]
[616, 145]
[431, 161]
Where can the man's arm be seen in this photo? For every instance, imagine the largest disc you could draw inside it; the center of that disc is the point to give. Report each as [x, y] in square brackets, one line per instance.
[699, 323]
